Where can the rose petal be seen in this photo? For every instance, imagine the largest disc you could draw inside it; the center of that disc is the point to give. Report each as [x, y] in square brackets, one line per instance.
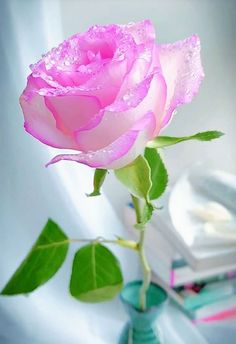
[115, 120]
[138, 147]
[145, 62]
[72, 112]
[35, 83]
[40, 123]
[109, 79]
[182, 70]
[146, 58]
[119, 153]
[60, 63]
[104, 85]
[107, 82]
[82, 56]
[142, 32]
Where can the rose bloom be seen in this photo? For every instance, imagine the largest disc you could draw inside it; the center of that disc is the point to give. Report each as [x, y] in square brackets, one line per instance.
[106, 92]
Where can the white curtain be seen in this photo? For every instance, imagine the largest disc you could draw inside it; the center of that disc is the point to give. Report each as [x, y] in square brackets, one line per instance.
[30, 194]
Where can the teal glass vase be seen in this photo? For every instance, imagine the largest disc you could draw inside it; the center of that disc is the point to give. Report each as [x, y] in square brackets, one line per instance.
[142, 327]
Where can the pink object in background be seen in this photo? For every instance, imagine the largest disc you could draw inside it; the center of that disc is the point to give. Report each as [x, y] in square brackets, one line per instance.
[225, 315]
[107, 91]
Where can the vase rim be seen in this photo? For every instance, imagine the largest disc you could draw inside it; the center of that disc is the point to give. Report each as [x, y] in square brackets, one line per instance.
[139, 283]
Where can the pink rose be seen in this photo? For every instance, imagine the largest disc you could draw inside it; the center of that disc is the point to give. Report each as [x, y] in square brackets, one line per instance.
[108, 91]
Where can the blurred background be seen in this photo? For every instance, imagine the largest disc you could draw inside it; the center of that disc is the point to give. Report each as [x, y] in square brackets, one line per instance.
[29, 193]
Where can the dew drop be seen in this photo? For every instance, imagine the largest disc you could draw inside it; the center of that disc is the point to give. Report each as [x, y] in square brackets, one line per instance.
[82, 68]
[130, 24]
[90, 55]
[174, 113]
[126, 97]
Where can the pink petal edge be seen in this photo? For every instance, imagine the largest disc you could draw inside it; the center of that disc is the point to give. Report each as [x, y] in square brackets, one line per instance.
[183, 72]
[40, 123]
[119, 153]
[142, 31]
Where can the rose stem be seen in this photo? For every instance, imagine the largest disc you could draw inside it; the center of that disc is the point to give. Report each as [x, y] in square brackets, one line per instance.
[143, 259]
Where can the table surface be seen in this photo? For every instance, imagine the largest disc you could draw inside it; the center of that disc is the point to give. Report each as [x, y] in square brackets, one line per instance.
[46, 318]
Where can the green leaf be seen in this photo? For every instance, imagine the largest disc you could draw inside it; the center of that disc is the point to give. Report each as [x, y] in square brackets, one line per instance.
[96, 274]
[146, 215]
[42, 262]
[159, 174]
[136, 177]
[164, 141]
[98, 179]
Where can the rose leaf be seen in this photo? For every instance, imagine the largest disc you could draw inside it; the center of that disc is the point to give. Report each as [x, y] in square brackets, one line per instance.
[136, 177]
[96, 274]
[159, 174]
[164, 141]
[98, 180]
[42, 262]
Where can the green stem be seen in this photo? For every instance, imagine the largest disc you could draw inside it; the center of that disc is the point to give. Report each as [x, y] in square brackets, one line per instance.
[146, 272]
[138, 212]
[120, 241]
[143, 259]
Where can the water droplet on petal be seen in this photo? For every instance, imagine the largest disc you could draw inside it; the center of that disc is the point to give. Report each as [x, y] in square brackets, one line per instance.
[82, 68]
[126, 97]
[90, 55]
[174, 113]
